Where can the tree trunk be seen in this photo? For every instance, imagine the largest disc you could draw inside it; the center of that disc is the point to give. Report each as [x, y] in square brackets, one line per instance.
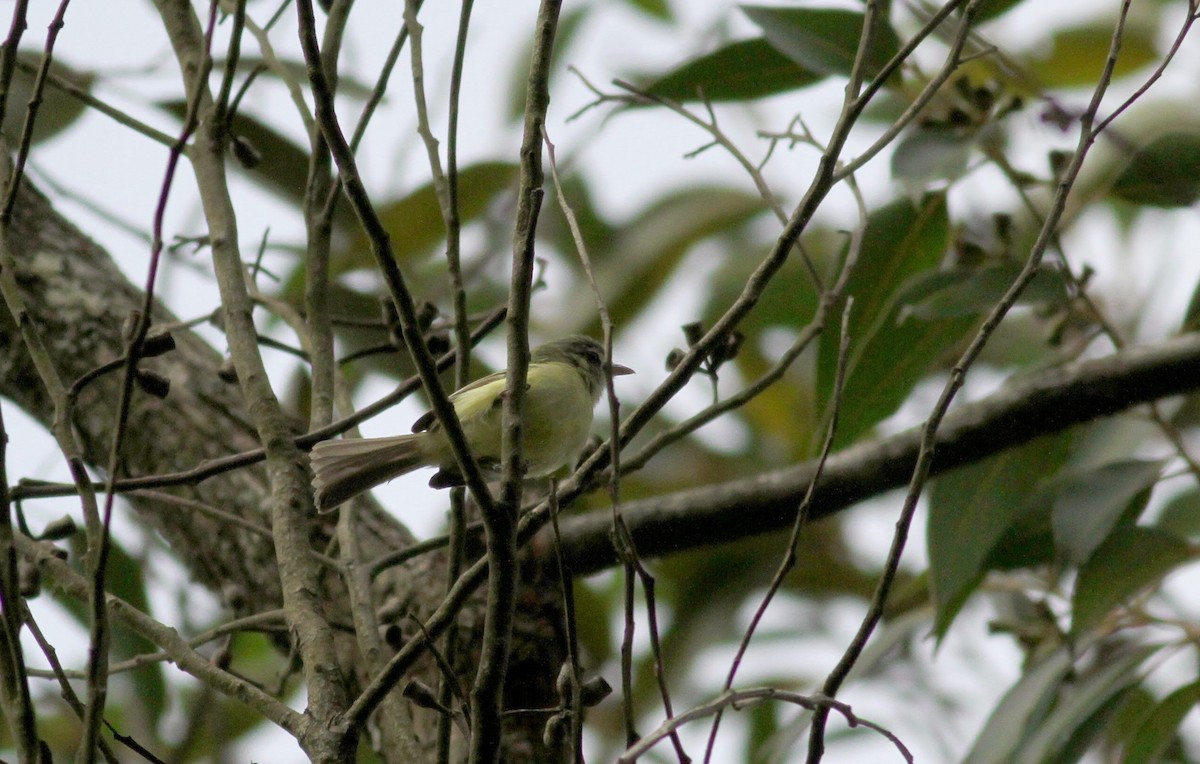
[79, 301]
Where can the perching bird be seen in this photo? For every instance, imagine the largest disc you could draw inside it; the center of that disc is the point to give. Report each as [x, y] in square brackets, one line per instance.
[565, 379]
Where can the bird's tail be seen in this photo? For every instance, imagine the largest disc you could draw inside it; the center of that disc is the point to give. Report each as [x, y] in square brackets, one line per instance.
[342, 469]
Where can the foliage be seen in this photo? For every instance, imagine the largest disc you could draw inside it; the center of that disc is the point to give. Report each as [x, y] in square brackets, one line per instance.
[870, 228]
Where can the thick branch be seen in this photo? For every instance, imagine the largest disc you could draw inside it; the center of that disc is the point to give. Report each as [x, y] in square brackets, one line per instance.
[1023, 410]
[77, 299]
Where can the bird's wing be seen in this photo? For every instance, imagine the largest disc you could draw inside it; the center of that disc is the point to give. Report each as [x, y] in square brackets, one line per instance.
[465, 406]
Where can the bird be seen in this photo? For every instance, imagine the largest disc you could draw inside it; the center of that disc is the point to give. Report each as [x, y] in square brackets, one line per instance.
[564, 382]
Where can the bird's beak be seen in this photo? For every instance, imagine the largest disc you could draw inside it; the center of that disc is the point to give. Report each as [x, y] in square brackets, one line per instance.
[618, 370]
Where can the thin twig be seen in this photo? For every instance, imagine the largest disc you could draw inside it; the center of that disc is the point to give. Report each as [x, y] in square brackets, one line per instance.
[381, 83]
[929, 432]
[290, 495]
[500, 519]
[66, 691]
[456, 557]
[385, 258]
[622, 538]
[266, 621]
[98, 547]
[572, 671]
[214, 467]
[802, 512]
[953, 60]
[62, 426]
[59, 575]
[87, 99]
[719, 138]
[15, 700]
[8, 52]
[31, 110]
[738, 698]
[280, 70]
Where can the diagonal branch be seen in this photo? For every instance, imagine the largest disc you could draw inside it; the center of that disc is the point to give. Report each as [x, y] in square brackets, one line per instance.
[1025, 409]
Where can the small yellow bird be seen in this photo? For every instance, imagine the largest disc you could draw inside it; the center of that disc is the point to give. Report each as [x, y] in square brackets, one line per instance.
[565, 379]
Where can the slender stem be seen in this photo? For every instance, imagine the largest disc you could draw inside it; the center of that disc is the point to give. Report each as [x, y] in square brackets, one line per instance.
[920, 475]
[462, 344]
[384, 255]
[500, 524]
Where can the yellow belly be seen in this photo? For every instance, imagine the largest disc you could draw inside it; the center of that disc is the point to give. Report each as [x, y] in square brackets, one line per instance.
[557, 420]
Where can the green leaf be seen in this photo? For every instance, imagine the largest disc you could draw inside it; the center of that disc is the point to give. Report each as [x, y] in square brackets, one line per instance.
[283, 164]
[889, 367]
[1078, 702]
[1079, 53]
[1191, 317]
[570, 23]
[415, 222]
[764, 726]
[1160, 728]
[964, 291]
[656, 9]
[592, 603]
[990, 9]
[888, 356]
[1164, 174]
[125, 579]
[648, 249]
[931, 153]
[1094, 501]
[1096, 728]
[740, 71]
[1130, 560]
[1028, 540]
[824, 40]
[1181, 515]
[295, 71]
[970, 510]
[1018, 710]
[58, 109]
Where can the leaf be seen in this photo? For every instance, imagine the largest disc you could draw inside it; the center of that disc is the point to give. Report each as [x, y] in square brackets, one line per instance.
[887, 356]
[1028, 540]
[1191, 317]
[1130, 560]
[990, 9]
[1181, 515]
[415, 222]
[58, 110]
[930, 153]
[283, 164]
[296, 71]
[592, 603]
[126, 580]
[970, 509]
[763, 726]
[965, 291]
[740, 71]
[1078, 702]
[570, 22]
[1092, 502]
[1009, 721]
[890, 366]
[1079, 53]
[824, 40]
[1160, 728]
[648, 249]
[656, 9]
[1165, 173]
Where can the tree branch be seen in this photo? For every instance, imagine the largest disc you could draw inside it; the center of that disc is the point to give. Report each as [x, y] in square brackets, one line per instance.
[1026, 409]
